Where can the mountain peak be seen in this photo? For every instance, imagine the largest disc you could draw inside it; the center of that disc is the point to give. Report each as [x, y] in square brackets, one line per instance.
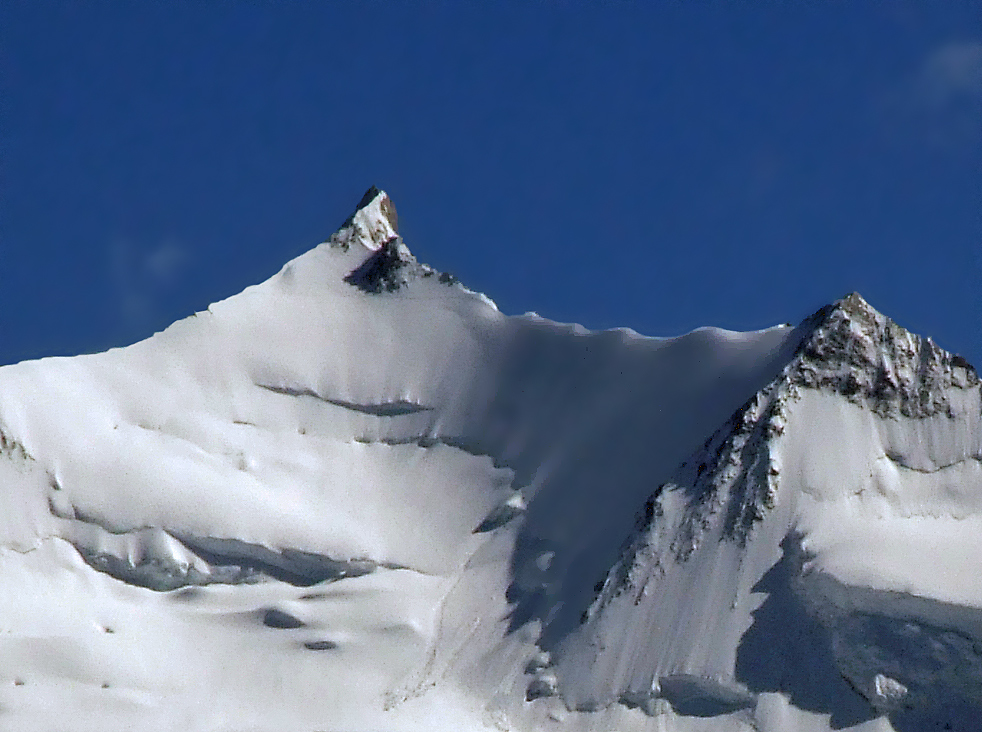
[389, 265]
[373, 223]
[854, 349]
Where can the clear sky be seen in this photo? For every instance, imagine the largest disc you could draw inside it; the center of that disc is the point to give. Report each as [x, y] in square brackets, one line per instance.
[658, 165]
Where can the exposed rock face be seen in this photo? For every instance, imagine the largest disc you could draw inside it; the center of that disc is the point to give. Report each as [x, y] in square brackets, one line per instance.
[863, 355]
[386, 206]
[372, 225]
[388, 269]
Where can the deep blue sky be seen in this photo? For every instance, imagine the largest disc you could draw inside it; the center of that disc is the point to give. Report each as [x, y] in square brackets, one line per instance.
[655, 165]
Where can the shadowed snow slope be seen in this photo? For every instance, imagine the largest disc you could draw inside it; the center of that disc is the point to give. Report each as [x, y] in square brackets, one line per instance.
[357, 496]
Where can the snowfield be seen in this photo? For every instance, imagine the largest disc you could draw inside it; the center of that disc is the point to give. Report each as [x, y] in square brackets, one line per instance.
[358, 497]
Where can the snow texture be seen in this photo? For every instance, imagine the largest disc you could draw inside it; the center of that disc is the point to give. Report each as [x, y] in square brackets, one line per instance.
[357, 496]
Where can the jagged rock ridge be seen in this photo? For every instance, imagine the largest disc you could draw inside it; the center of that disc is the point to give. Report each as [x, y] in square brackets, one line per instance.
[865, 356]
[847, 348]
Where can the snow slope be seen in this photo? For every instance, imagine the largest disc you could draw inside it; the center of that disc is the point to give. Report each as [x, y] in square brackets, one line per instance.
[357, 496]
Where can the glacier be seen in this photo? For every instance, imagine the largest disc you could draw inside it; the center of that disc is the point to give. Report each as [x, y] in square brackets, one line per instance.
[357, 496]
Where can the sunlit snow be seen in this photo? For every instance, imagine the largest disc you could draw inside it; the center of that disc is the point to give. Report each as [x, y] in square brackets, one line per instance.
[358, 497]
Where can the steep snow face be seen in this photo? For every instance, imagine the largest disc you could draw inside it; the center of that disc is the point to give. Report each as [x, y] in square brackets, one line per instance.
[826, 532]
[890, 508]
[357, 496]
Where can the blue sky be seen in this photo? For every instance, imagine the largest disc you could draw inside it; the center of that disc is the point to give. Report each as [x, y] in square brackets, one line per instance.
[654, 165]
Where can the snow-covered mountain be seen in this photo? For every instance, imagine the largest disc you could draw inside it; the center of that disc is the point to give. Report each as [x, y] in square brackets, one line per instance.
[358, 497]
